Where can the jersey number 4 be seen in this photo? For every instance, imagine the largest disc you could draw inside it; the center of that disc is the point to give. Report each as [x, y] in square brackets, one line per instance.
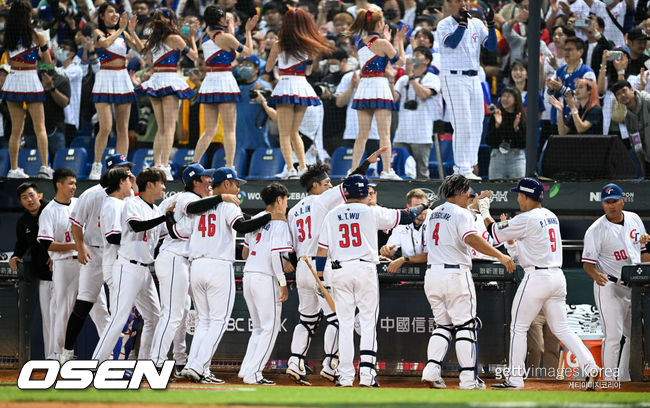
[300, 224]
[347, 230]
[208, 227]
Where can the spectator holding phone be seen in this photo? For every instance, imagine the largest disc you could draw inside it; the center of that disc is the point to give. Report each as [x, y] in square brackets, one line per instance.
[586, 116]
[506, 135]
[596, 43]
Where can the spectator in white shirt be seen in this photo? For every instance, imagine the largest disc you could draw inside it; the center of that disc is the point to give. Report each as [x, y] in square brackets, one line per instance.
[65, 55]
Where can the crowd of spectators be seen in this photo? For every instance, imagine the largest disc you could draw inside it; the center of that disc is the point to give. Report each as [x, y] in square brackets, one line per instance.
[587, 47]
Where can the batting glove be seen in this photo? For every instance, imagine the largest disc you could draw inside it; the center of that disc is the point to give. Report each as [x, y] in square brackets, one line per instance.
[464, 16]
[489, 17]
[484, 207]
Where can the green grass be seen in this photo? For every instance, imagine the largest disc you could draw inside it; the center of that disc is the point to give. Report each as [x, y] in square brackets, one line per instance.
[296, 396]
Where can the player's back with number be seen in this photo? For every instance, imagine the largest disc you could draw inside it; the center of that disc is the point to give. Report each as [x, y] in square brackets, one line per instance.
[212, 233]
[138, 246]
[447, 226]
[350, 231]
[538, 234]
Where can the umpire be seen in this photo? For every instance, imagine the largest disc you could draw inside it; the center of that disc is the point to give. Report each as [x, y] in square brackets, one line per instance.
[35, 260]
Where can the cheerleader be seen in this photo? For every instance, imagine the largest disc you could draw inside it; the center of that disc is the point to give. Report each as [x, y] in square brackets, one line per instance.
[219, 92]
[165, 46]
[24, 46]
[374, 96]
[113, 85]
[298, 42]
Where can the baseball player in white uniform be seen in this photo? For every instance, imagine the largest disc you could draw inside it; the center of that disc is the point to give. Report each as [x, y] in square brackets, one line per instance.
[305, 221]
[55, 235]
[212, 279]
[460, 38]
[538, 247]
[408, 239]
[614, 240]
[349, 236]
[450, 235]
[132, 280]
[265, 287]
[85, 219]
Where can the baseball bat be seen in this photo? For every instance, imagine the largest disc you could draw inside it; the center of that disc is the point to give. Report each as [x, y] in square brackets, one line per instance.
[328, 297]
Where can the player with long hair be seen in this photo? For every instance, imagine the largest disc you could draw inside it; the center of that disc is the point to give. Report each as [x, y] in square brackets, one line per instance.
[165, 46]
[298, 42]
[219, 91]
[23, 86]
[112, 83]
[374, 96]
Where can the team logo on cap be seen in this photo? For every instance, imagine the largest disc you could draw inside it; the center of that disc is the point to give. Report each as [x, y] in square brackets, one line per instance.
[192, 173]
[609, 190]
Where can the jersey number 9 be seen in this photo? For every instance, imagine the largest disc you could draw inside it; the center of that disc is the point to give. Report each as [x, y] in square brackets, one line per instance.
[347, 230]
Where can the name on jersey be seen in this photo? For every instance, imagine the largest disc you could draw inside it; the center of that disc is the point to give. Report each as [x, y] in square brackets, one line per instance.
[441, 215]
[548, 221]
[348, 216]
[302, 210]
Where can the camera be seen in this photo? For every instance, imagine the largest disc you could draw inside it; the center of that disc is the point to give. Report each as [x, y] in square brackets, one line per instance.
[266, 93]
[582, 23]
[614, 55]
[411, 105]
[322, 88]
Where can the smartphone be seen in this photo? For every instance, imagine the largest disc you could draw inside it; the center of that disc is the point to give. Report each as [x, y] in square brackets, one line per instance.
[332, 4]
[582, 23]
[615, 55]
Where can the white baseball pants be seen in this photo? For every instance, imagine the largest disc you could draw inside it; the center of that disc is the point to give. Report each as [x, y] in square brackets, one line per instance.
[47, 300]
[614, 303]
[213, 291]
[91, 288]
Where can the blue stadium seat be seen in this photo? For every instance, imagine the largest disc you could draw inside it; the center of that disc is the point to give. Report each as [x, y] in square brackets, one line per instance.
[484, 151]
[183, 157]
[142, 158]
[74, 158]
[266, 163]
[447, 157]
[88, 143]
[30, 161]
[241, 161]
[398, 159]
[109, 151]
[4, 162]
[341, 162]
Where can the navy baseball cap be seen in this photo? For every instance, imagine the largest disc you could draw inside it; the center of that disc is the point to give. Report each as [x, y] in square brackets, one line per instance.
[117, 160]
[611, 191]
[356, 186]
[195, 170]
[226, 173]
[254, 59]
[530, 187]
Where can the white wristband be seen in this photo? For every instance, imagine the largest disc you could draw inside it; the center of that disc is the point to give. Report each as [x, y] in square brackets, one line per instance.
[282, 280]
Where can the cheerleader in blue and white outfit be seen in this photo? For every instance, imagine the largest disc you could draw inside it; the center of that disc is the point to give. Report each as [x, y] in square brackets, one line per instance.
[219, 92]
[24, 46]
[113, 85]
[374, 95]
[298, 42]
[165, 46]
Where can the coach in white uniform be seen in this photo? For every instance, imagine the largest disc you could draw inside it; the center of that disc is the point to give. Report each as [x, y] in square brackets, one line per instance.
[132, 280]
[536, 232]
[265, 287]
[408, 238]
[460, 38]
[614, 240]
[349, 237]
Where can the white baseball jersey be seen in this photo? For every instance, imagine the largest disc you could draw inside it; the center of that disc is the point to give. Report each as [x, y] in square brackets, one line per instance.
[466, 55]
[110, 222]
[212, 233]
[408, 238]
[538, 233]
[349, 231]
[86, 214]
[271, 240]
[138, 246]
[183, 225]
[54, 225]
[446, 228]
[482, 231]
[306, 218]
[611, 246]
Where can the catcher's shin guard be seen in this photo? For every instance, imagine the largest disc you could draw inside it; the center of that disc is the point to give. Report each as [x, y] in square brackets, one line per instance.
[466, 348]
[302, 335]
[436, 351]
[367, 367]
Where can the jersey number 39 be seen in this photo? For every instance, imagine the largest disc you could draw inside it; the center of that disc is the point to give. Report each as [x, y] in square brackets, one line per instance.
[347, 230]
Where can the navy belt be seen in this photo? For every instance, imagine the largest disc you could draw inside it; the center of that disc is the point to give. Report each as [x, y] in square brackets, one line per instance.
[614, 279]
[537, 268]
[138, 263]
[447, 266]
[470, 72]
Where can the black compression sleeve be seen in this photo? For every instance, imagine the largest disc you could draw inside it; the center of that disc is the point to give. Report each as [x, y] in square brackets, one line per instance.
[114, 239]
[362, 169]
[169, 223]
[406, 217]
[139, 226]
[45, 244]
[204, 204]
[244, 227]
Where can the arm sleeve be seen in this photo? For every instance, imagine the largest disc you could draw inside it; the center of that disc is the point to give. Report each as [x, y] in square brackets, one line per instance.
[139, 226]
[591, 247]
[454, 39]
[169, 224]
[45, 244]
[491, 40]
[278, 270]
[204, 204]
[114, 238]
[251, 225]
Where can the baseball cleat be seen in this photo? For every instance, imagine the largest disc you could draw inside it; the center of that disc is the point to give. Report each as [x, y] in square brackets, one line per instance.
[590, 383]
[375, 384]
[507, 386]
[127, 374]
[439, 384]
[338, 384]
[329, 376]
[298, 378]
[263, 381]
[211, 379]
[177, 371]
[190, 374]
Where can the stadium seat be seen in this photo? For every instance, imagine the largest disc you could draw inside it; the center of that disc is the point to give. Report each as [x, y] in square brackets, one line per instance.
[241, 161]
[484, 151]
[142, 158]
[88, 143]
[109, 151]
[30, 161]
[266, 163]
[447, 157]
[74, 158]
[183, 157]
[399, 163]
[4, 162]
[341, 162]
